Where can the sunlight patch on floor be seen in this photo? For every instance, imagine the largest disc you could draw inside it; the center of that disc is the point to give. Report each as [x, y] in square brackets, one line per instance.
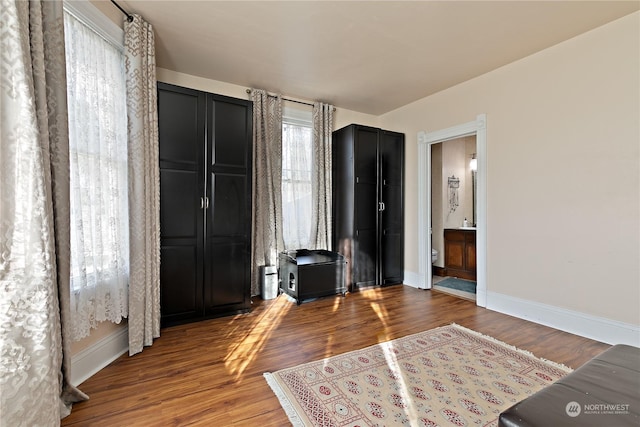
[376, 301]
[336, 304]
[407, 402]
[247, 348]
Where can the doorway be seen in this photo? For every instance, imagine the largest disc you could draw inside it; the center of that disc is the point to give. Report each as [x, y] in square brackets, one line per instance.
[425, 141]
[453, 220]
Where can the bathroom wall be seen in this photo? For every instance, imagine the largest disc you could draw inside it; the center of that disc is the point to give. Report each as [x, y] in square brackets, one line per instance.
[438, 203]
[454, 165]
[469, 150]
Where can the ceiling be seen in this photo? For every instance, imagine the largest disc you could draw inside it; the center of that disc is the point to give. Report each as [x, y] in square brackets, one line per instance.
[366, 56]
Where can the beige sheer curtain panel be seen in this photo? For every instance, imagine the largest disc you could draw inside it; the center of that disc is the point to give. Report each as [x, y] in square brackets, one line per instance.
[34, 217]
[321, 190]
[266, 233]
[144, 185]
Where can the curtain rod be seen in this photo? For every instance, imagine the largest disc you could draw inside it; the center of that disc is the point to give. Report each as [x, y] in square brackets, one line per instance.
[129, 17]
[290, 100]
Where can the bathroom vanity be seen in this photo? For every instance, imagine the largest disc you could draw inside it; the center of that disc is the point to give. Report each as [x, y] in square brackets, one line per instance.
[460, 252]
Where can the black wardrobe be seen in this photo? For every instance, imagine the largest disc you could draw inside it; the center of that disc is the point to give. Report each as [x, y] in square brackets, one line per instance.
[205, 204]
[368, 204]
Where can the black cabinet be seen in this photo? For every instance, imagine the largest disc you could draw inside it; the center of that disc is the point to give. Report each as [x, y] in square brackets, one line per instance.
[368, 204]
[205, 204]
[306, 274]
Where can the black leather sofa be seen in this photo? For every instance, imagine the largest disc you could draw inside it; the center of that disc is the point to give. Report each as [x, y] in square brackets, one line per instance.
[604, 392]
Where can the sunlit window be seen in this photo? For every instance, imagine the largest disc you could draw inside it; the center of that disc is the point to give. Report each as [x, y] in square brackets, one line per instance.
[297, 161]
[96, 98]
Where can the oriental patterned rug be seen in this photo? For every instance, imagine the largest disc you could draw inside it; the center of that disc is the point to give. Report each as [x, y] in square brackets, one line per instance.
[448, 376]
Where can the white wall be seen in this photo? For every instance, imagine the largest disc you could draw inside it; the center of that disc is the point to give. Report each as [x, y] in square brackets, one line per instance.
[103, 345]
[342, 117]
[563, 150]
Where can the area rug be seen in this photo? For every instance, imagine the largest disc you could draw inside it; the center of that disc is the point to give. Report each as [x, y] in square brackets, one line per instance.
[459, 284]
[449, 376]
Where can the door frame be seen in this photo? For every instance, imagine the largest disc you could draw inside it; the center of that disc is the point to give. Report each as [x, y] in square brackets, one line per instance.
[478, 127]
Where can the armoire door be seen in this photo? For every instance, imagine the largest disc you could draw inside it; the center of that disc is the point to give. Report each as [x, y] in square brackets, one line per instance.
[391, 232]
[228, 220]
[181, 126]
[365, 263]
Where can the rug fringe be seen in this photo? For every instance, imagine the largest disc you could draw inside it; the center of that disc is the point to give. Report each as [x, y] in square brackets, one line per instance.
[512, 347]
[295, 419]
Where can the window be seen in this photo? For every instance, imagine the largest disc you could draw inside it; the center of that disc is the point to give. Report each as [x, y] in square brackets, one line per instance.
[297, 163]
[96, 99]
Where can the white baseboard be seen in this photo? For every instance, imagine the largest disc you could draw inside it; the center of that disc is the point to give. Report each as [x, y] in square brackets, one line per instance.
[413, 279]
[574, 322]
[92, 359]
[592, 327]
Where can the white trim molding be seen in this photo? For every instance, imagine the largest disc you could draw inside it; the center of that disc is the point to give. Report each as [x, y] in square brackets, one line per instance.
[92, 359]
[574, 322]
[412, 279]
[478, 128]
[93, 18]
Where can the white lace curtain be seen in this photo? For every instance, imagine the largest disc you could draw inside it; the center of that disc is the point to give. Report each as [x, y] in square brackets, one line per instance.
[98, 161]
[34, 217]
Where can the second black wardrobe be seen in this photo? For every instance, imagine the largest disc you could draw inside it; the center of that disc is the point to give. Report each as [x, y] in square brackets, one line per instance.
[368, 204]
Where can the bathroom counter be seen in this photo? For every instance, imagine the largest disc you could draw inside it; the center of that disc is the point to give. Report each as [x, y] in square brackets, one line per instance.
[460, 252]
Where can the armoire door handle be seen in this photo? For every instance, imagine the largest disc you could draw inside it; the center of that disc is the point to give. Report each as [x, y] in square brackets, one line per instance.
[206, 203]
[381, 206]
[201, 202]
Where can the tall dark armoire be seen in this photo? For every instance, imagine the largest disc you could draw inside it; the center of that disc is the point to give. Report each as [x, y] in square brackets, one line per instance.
[205, 204]
[368, 204]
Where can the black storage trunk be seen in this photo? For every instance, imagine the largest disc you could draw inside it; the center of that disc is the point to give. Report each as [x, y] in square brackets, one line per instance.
[306, 274]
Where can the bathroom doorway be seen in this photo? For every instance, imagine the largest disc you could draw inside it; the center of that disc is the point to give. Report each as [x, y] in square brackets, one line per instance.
[453, 216]
[475, 128]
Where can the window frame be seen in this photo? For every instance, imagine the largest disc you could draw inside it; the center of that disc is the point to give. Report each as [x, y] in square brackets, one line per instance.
[93, 18]
[301, 118]
[111, 33]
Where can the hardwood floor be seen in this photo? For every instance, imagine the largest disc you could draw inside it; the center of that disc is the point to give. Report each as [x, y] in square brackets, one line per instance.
[210, 373]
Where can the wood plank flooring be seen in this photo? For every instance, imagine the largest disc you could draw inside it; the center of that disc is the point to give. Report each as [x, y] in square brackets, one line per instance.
[210, 373]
